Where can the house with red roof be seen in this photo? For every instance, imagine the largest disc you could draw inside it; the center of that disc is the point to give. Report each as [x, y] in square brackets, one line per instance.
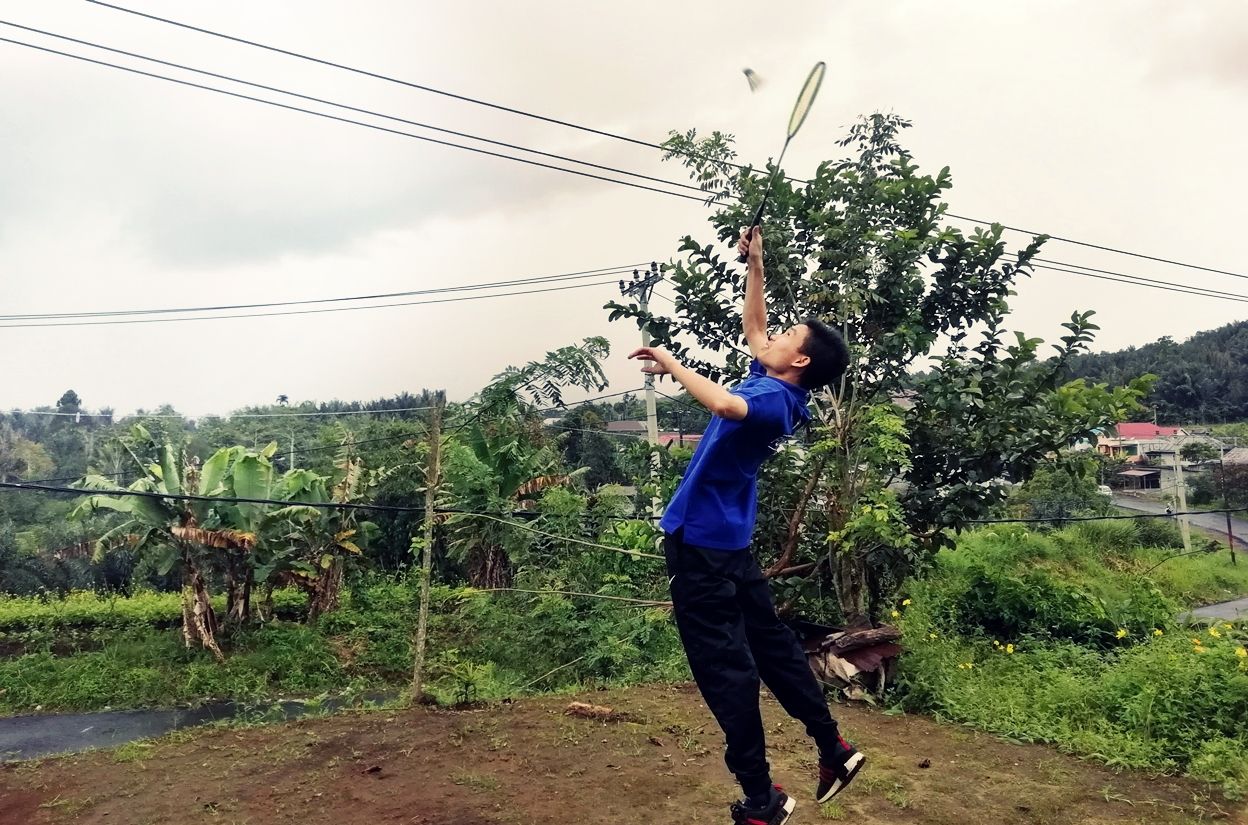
[1133, 441]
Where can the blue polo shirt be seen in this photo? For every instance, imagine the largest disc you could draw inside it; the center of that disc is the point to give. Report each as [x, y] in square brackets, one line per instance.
[717, 500]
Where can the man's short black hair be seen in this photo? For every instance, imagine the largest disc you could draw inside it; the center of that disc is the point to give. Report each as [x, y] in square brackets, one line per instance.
[829, 357]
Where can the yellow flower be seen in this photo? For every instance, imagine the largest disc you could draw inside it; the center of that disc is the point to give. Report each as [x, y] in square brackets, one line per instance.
[1158, 633]
[1009, 648]
[961, 666]
[1241, 652]
[931, 635]
[1213, 631]
[1196, 641]
[1122, 633]
[970, 665]
[905, 603]
[995, 643]
[895, 615]
[1226, 626]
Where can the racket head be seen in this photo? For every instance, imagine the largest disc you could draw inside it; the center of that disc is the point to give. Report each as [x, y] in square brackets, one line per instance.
[807, 98]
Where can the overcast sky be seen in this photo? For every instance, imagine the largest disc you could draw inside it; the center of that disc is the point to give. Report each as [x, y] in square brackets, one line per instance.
[1119, 123]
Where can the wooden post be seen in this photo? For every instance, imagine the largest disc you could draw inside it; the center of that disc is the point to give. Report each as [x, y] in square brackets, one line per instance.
[433, 476]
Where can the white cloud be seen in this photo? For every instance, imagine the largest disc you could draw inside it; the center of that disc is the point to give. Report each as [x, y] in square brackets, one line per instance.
[120, 191]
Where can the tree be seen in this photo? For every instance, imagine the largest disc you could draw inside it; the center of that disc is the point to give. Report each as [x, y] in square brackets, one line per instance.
[1062, 488]
[586, 445]
[1198, 452]
[864, 243]
[312, 547]
[283, 400]
[69, 403]
[21, 458]
[186, 536]
[501, 456]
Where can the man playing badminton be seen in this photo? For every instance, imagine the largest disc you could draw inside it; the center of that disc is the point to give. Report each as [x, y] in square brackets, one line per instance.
[722, 603]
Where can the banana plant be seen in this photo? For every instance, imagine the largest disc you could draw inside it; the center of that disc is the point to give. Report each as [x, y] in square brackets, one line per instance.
[313, 547]
[186, 536]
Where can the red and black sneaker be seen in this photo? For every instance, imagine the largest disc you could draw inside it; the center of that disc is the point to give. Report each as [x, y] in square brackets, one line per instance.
[776, 812]
[835, 774]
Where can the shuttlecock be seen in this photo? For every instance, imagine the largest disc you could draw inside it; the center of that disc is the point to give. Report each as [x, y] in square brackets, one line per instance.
[753, 78]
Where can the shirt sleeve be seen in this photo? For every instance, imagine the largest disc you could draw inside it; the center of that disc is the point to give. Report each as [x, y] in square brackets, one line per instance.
[766, 405]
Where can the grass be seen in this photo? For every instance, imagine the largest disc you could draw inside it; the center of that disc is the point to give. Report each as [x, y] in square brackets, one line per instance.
[1060, 638]
[481, 648]
[479, 782]
[832, 810]
[83, 610]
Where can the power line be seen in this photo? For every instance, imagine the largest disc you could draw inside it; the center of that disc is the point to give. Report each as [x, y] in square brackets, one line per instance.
[590, 400]
[1212, 292]
[292, 414]
[349, 108]
[364, 124]
[380, 76]
[1102, 247]
[324, 505]
[601, 132]
[463, 134]
[1150, 283]
[300, 311]
[527, 280]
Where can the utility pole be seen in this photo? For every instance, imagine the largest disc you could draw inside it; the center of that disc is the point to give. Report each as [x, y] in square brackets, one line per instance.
[1181, 489]
[641, 288]
[1230, 533]
[292, 446]
[433, 477]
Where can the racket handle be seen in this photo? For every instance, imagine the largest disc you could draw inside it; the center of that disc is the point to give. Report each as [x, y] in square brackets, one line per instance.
[758, 221]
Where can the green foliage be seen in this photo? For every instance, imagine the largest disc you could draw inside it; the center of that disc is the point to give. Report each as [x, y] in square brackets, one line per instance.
[83, 610]
[1059, 490]
[1060, 638]
[864, 245]
[483, 645]
[1199, 451]
[1204, 378]
[146, 667]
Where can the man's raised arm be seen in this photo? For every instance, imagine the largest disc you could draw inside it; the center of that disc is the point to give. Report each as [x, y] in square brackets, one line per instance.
[754, 314]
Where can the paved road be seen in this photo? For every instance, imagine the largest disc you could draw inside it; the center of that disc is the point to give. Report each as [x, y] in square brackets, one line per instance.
[1226, 611]
[1210, 522]
[30, 737]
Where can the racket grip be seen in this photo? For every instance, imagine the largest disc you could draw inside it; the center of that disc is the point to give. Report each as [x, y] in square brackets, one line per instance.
[758, 221]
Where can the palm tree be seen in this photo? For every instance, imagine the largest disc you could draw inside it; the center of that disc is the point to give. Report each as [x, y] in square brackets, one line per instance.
[283, 400]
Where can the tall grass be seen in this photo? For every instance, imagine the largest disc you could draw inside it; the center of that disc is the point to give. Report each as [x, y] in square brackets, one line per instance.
[1061, 638]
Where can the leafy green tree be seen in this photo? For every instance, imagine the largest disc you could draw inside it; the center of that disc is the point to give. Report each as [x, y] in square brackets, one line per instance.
[21, 458]
[186, 536]
[586, 445]
[500, 456]
[69, 403]
[864, 244]
[1061, 489]
[1198, 452]
[1203, 379]
[314, 547]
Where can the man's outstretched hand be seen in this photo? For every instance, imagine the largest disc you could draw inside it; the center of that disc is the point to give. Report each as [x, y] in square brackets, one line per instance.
[750, 245]
[658, 360]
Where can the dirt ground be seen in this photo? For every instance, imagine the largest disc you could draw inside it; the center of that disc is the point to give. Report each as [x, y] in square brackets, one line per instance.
[527, 762]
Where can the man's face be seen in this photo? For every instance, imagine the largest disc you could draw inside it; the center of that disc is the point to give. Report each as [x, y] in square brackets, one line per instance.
[784, 350]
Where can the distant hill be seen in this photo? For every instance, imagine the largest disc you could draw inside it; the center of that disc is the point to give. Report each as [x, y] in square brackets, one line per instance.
[1203, 379]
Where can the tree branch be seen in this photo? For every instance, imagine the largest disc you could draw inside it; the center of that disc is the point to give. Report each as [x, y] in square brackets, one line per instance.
[795, 520]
